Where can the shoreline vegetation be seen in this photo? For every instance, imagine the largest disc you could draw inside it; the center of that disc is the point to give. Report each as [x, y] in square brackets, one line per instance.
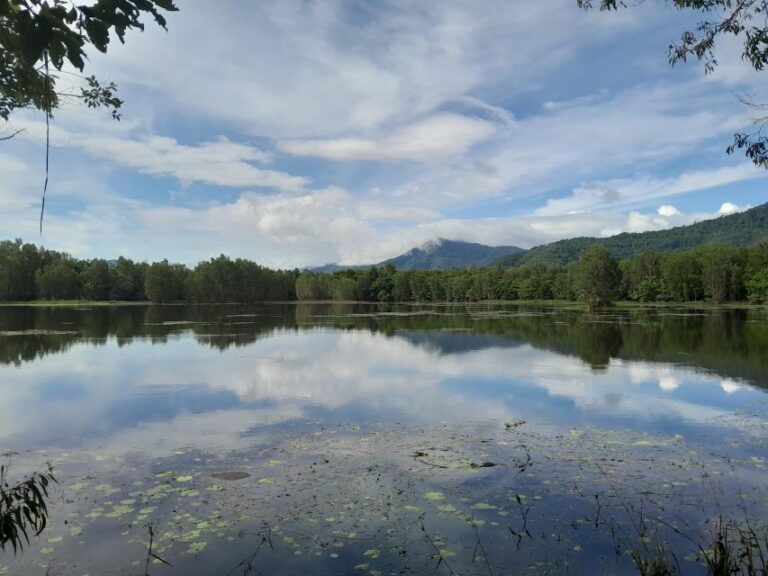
[714, 274]
[564, 304]
[511, 515]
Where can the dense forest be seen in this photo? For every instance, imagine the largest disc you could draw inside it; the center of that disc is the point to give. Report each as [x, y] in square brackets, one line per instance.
[743, 229]
[712, 273]
[28, 273]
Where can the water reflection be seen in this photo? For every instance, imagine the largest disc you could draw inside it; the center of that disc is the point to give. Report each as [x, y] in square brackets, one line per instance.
[126, 377]
[367, 420]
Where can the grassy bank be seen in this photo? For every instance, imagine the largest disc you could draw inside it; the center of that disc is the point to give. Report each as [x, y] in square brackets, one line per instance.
[72, 303]
[565, 304]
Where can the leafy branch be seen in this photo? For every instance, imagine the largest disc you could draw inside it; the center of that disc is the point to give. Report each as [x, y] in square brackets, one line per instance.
[743, 19]
[23, 508]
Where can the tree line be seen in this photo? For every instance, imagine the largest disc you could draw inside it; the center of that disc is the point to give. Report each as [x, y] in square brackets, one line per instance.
[713, 273]
[31, 273]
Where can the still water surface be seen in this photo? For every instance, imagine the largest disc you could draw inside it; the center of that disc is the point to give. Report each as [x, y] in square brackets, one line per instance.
[360, 439]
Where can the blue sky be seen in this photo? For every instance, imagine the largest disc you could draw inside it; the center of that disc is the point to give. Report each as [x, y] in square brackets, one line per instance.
[297, 133]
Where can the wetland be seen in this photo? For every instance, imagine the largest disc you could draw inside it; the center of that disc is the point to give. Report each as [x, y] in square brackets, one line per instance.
[384, 439]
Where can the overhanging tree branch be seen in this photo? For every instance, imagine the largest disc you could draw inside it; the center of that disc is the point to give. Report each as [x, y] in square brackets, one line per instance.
[743, 19]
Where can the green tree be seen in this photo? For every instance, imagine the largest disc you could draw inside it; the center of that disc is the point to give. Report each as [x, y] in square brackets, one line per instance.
[722, 274]
[597, 277]
[37, 38]
[165, 282]
[18, 264]
[744, 20]
[401, 291]
[344, 288]
[562, 287]
[126, 280]
[538, 283]
[314, 286]
[757, 286]
[95, 280]
[682, 277]
[58, 280]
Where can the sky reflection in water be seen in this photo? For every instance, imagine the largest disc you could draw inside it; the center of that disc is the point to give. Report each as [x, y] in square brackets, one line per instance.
[122, 391]
[371, 420]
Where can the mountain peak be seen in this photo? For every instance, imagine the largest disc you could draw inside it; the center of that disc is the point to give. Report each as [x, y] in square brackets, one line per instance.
[431, 245]
[440, 254]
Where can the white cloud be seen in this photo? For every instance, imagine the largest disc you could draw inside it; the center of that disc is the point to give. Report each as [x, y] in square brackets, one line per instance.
[220, 162]
[668, 217]
[434, 138]
[312, 228]
[622, 192]
[668, 382]
[582, 198]
[730, 386]
[478, 107]
[730, 208]
[667, 211]
[16, 178]
[294, 69]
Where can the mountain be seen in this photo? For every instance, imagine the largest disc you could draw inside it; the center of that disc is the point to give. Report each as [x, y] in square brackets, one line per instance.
[331, 268]
[440, 254]
[743, 229]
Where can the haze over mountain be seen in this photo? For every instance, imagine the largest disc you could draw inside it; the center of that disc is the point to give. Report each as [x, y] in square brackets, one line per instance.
[441, 254]
[742, 229]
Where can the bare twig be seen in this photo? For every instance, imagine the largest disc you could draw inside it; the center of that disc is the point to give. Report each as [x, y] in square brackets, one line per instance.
[247, 563]
[150, 554]
[438, 552]
[480, 546]
[12, 135]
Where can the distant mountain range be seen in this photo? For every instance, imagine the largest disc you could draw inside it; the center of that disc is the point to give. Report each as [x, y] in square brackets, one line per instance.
[743, 229]
[440, 254]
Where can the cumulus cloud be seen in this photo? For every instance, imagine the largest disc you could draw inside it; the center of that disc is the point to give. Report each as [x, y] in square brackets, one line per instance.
[667, 216]
[730, 208]
[667, 211]
[730, 386]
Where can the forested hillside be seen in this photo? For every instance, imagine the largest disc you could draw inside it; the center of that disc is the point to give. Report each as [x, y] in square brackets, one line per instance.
[445, 254]
[744, 229]
[440, 254]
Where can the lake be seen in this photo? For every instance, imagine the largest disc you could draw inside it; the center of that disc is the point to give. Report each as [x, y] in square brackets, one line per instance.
[372, 439]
